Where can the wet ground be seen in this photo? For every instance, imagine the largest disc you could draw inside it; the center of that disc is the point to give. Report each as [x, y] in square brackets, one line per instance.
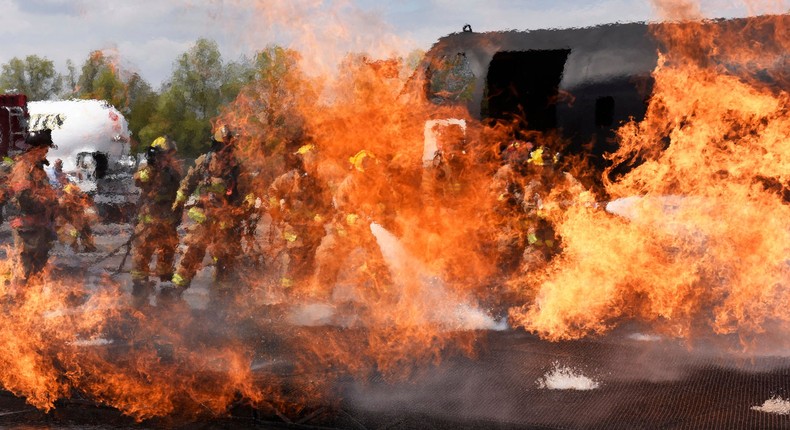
[623, 380]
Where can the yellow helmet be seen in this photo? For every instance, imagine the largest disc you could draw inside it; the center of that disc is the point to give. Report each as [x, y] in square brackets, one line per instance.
[541, 157]
[223, 134]
[305, 149]
[163, 144]
[362, 159]
[71, 188]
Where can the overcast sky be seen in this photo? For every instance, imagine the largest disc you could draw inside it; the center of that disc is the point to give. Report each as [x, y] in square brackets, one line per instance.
[148, 35]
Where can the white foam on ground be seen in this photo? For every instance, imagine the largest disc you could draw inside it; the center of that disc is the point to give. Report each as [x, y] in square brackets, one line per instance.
[641, 337]
[774, 405]
[565, 378]
[467, 317]
[99, 341]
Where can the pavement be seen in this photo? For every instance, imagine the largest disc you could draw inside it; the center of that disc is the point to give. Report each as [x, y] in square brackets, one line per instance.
[628, 378]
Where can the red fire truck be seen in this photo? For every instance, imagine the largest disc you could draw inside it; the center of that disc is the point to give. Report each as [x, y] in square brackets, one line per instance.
[13, 122]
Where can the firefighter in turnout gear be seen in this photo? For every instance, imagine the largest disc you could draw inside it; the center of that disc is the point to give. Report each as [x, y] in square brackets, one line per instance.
[33, 207]
[509, 216]
[59, 178]
[77, 213]
[446, 178]
[156, 230]
[298, 206]
[541, 240]
[348, 252]
[216, 216]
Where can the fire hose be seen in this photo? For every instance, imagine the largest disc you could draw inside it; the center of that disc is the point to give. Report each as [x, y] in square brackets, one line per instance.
[127, 244]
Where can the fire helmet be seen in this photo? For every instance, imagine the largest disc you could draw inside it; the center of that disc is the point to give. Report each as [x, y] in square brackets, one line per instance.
[40, 138]
[362, 159]
[305, 149]
[71, 188]
[541, 157]
[164, 144]
[222, 134]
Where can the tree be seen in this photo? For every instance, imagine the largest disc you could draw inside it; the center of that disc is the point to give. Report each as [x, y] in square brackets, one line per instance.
[172, 118]
[34, 76]
[100, 80]
[268, 110]
[69, 89]
[235, 77]
[192, 97]
[142, 102]
[198, 75]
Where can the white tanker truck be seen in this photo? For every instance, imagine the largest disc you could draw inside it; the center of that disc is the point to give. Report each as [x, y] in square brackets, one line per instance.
[92, 140]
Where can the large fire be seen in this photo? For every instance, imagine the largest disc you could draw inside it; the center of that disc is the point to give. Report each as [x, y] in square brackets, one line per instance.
[703, 240]
[376, 263]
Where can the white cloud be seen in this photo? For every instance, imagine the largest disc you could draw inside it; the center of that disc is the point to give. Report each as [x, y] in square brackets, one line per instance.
[15, 21]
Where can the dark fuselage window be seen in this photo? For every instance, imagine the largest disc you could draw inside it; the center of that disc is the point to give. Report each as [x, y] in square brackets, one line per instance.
[524, 85]
[604, 111]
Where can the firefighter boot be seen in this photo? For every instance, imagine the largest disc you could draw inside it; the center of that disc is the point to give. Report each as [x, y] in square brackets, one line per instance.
[221, 301]
[141, 291]
[169, 295]
[88, 244]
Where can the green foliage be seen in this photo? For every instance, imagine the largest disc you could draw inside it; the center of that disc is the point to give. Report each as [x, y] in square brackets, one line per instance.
[34, 76]
[173, 118]
[275, 63]
[236, 76]
[192, 97]
[267, 109]
[198, 77]
[142, 102]
[69, 81]
[100, 80]
[200, 90]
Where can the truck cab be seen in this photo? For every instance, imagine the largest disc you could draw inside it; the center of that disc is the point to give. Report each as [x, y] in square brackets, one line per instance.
[14, 118]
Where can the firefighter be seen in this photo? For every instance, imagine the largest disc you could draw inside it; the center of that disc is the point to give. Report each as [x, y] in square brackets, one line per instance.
[59, 179]
[33, 205]
[541, 240]
[506, 225]
[509, 218]
[348, 252]
[76, 215]
[217, 215]
[156, 231]
[298, 206]
[446, 179]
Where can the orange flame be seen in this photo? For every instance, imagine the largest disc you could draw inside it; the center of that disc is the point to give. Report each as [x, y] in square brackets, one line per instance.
[702, 241]
[378, 264]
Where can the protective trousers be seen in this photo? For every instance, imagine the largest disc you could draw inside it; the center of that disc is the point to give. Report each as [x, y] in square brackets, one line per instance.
[154, 238]
[222, 239]
[32, 245]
